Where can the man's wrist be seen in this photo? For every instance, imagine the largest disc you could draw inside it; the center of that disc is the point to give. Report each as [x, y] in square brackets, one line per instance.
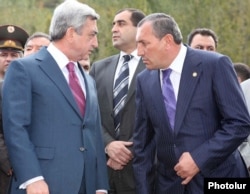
[106, 148]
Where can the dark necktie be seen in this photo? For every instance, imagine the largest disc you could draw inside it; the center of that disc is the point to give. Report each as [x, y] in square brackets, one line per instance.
[76, 88]
[169, 96]
[120, 93]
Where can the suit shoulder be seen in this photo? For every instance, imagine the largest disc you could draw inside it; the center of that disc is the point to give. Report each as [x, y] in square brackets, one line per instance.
[32, 59]
[99, 65]
[207, 58]
[106, 60]
[145, 74]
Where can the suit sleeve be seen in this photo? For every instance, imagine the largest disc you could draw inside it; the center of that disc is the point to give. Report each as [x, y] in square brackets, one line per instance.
[107, 138]
[144, 146]
[234, 122]
[16, 121]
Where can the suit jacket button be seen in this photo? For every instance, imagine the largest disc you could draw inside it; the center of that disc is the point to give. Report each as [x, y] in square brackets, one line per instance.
[82, 149]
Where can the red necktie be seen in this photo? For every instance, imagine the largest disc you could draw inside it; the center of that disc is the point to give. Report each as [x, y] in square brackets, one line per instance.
[76, 88]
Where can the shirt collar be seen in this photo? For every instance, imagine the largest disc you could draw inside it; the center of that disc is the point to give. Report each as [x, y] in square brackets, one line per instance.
[178, 62]
[60, 58]
[134, 54]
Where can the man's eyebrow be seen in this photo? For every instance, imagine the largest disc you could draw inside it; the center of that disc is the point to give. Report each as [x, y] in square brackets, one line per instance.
[119, 21]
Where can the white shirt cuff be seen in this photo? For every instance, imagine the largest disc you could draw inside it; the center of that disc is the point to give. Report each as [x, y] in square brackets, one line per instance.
[24, 185]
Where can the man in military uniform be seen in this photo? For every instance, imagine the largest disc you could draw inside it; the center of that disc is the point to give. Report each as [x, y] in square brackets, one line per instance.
[12, 41]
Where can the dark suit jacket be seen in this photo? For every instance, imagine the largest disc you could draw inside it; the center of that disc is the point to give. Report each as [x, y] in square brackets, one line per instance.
[103, 72]
[44, 131]
[211, 122]
[4, 159]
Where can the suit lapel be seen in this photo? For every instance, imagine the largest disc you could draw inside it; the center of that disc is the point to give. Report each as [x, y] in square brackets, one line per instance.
[153, 84]
[51, 69]
[111, 65]
[132, 86]
[190, 75]
[110, 68]
[87, 89]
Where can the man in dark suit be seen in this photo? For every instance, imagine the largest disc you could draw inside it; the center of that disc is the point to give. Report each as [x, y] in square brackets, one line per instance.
[12, 40]
[208, 119]
[53, 135]
[105, 72]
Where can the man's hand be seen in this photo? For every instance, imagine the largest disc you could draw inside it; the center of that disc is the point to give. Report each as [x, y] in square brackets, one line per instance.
[9, 173]
[118, 151]
[186, 168]
[114, 165]
[38, 187]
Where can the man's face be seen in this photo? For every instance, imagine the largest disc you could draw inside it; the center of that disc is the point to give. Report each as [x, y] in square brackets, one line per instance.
[35, 44]
[85, 63]
[124, 32]
[6, 56]
[84, 44]
[203, 43]
[150, 48]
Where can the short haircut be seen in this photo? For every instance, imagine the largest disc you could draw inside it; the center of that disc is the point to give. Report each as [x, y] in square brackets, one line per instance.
[136, 15]
[203, 32]
[163, 24]
[242, 71]
[38, 35]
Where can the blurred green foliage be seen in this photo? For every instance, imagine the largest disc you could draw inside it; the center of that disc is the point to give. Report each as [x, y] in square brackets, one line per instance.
[228, 18]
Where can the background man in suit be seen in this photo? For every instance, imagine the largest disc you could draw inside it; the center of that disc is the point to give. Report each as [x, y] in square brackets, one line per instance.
[244, 148]
[35, 42]
[242, 71]
[105, 72]
[53, 137]
[12, 40]
[207, 123]
[203, 39]
[85, 63]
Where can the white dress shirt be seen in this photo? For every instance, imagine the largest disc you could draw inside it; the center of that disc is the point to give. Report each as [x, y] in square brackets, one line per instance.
[176, 66]
[132, 65]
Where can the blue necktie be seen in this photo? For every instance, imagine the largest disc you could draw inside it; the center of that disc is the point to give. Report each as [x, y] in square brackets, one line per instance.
[169, 96]
[120, 93]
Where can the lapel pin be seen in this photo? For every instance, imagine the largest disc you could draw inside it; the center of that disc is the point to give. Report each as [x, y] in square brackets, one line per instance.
[194, 74]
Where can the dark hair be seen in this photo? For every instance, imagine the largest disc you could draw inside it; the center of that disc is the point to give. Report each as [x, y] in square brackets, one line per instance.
[163, 24]
[203, 32]
[38, 35]
[136, 15]
[242, 71]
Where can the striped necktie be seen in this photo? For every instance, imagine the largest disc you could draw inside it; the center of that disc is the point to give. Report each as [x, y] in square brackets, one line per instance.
[120, 93]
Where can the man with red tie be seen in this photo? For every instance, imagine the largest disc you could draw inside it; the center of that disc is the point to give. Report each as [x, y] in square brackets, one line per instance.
[53, 137]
